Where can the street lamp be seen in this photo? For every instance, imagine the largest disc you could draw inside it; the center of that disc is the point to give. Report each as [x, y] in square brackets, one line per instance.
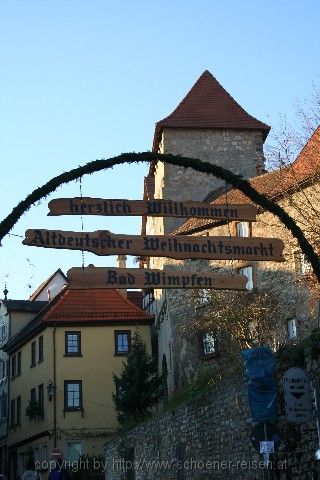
[51, 389]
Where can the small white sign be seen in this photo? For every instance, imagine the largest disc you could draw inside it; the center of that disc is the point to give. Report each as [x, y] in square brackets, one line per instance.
[267, 446]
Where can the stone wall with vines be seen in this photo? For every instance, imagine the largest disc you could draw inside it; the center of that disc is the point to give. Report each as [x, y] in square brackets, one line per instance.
[207, 435]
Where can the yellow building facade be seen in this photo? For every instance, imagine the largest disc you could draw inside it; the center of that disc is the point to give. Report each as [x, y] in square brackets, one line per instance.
[61, 375]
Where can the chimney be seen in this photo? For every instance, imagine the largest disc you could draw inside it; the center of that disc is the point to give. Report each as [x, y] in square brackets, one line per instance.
[122, 263]
[5, 292]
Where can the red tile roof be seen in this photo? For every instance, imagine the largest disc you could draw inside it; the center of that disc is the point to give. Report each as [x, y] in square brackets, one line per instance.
[208, 105]
[94, 305]
[273, 184]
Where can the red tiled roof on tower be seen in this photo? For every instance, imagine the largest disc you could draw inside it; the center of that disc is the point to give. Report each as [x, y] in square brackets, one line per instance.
[208, 105]
[94, 305]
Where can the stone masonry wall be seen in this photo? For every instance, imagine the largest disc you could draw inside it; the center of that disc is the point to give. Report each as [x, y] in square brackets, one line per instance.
[216, 427]
[210, 438]
[290, 289]
[239, 151]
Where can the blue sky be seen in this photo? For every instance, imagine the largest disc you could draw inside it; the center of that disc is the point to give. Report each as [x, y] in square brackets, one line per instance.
[83, 80]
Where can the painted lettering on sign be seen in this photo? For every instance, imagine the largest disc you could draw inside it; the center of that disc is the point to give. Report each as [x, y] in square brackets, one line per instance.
[103, 277]
[103, 242]
[153, 208]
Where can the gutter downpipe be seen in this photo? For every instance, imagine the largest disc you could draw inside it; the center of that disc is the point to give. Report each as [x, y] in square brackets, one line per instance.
[55, 392]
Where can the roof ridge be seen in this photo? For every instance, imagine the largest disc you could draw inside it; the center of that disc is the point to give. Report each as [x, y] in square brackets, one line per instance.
[188, 94]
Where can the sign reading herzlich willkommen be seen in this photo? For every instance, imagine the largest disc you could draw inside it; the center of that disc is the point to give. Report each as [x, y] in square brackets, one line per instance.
[153, 208]
[104, 242]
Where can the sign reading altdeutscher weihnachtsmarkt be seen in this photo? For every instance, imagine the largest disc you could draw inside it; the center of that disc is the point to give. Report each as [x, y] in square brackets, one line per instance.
[153, 208]
[109, 277]
[103, 242]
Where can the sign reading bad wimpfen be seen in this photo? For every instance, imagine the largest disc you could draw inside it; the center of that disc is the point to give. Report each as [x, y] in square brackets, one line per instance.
[153, 208]
[105, 277]
[104, 242]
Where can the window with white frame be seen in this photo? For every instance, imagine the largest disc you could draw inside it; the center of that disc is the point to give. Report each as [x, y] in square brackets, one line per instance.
[74, 451]
[204, 296]
[292, 328]
[302, 265]
[208, 344]
[243, 229]
[248, 272]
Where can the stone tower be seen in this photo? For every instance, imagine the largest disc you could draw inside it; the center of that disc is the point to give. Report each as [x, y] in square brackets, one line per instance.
[210, 125]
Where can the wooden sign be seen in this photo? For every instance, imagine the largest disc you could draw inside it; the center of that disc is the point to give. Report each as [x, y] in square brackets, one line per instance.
[103, 242]
[152, 208]
[105, 277]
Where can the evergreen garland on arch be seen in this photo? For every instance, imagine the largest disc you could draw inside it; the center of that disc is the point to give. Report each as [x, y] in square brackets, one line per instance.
[235, 180]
